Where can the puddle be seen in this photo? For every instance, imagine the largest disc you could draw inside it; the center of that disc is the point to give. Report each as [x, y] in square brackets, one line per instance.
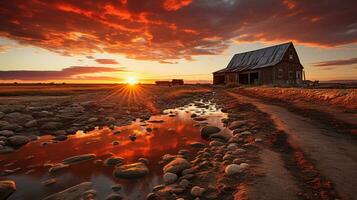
[170, 133]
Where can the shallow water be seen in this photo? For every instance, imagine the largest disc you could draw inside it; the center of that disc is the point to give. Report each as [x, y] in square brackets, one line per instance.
[170, 136]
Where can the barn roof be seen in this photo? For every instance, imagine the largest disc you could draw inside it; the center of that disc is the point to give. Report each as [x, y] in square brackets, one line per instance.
[256, 59]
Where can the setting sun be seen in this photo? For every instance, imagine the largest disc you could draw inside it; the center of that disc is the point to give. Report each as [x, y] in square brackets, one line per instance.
[131, 80]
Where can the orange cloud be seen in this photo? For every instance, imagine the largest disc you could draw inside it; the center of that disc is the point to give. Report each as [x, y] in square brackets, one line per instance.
[173, 5]
[335, 63]
[73, 72]
[106, 61]
[174, 29]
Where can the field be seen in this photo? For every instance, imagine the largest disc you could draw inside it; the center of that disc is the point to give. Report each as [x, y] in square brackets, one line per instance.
[158, 142]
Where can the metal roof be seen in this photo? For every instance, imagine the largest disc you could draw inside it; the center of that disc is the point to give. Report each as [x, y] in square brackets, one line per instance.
[260, 58]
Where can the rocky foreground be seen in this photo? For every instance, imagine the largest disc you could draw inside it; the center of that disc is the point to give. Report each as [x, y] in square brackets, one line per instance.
[224, 168]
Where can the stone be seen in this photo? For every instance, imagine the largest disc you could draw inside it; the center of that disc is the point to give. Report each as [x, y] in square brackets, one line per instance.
[18, 140]
[215, 143]
[246, 133]
[92, 119]
[7, 133]
[7, 187]
[184, 183]
[151, 196]
[131, 171]
[60, 137]
[177, 166]
[114, 196]
[72, 193]
[236, 124]
[52, 125]
[232, 169]
[6, 150]
[117, 187]
[169, 178]
[58, 167]
[78, 159]
[115, 142]
[225, 135]
[144, 160]
[112, 161]
[31, 124]
[197, 191]
[197, 145]
[132, 137]
[199, 119]
[89, 194]
[18, 118]
[207, 131]
[258, 140]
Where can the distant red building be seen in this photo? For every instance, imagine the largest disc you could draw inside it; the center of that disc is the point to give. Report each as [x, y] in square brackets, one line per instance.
[170, 83]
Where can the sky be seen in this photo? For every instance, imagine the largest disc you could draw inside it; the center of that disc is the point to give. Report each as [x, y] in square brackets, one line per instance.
[109, 41]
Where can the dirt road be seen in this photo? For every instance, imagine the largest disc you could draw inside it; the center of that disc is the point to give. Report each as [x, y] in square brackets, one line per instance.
[333, 154]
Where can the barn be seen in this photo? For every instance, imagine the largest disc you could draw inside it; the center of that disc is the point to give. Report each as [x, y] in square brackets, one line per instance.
[279, 64]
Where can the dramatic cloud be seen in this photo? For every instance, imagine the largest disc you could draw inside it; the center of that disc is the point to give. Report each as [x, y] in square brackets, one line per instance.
[174, 29]
[3, 48]
[74, 72]
[329, 63]
[106, 61]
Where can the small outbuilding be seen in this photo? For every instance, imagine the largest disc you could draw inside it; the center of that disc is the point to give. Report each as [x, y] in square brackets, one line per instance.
[278, 64]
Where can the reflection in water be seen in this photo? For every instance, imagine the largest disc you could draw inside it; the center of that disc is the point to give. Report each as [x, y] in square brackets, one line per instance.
[168, 137]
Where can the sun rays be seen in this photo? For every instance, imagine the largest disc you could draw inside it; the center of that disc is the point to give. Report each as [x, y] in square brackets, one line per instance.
[132, 94]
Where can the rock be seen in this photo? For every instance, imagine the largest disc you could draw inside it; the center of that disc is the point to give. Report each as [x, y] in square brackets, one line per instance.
[78, 159]
[232, 146]
[169, 178]
[132, 137]
[197, 191]
[31, 124]
[258, 140]
[246, 133]
[215, 143]
[225, 135]
[60, 137]
[115, 142]
[236, 124]
[144, 160]
[18, 118]
[7, 188]
[131, 171]
[92, 119]
[188, 171]
[193, 115]
[117, 187]
[184, 183]
[18, 140]
[114, 196]
[7, 133]
[112, 161]
[3, 124]
[57, 167]
[177, 166]
[151, 196]
[73, 193]
[244, 166]
[232, 169]
[6, 150]
[89, 194]
[197, 145]
[51, 126]
[199, 119]
[168, 157]
[207, 131]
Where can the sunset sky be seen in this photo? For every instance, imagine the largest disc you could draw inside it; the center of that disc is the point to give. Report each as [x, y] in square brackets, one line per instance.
[110, 40]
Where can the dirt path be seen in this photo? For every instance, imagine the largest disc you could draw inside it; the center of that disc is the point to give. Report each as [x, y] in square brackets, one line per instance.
[277, 183]
[334, 155]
